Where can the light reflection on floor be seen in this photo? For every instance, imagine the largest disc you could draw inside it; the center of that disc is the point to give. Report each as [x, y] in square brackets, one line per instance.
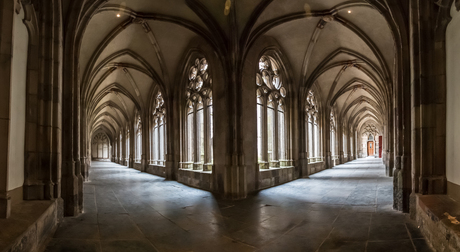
[347, 208]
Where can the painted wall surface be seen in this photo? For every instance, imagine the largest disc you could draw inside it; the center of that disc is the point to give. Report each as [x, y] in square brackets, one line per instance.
[18, 103]
[453, 103]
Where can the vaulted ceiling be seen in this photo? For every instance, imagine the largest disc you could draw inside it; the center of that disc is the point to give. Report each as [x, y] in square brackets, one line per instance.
[343, 48]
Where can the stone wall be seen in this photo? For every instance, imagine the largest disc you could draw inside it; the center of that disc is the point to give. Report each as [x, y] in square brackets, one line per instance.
[434, 216]
[198, 179]
[156, 170]
[272, 177]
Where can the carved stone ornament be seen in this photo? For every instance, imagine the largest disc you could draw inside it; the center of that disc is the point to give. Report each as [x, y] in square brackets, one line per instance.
[269, 79]
[199, 80]
[370, 129]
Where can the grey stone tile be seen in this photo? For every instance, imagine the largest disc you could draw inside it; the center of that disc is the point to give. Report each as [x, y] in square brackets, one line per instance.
[338, 209]
[72, 245]
[77, 231]
[388, 232]
[128, 246]
[292, 243]
[393, 246]
[350, 232]
[255, 236]
[332, 245]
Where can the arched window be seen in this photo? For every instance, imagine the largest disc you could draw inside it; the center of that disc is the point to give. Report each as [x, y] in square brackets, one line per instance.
[159, 131]
[100, 146]
[198, 118]
[313, 139]
[271, 119]
[138, 140]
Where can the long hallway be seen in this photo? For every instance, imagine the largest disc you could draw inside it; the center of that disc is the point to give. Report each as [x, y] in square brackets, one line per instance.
[347, 208]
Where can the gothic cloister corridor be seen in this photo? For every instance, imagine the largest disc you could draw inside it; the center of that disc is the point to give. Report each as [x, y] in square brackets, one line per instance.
[346, 208]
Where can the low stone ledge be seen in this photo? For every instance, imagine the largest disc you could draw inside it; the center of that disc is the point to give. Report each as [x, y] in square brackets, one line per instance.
[195, 178]
[276, 176]
[156, 170]
[438, 217]
[30, 225]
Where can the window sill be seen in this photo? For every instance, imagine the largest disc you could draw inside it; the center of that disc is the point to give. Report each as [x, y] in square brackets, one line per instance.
[157, 165]
[276, 168]
[197, 171]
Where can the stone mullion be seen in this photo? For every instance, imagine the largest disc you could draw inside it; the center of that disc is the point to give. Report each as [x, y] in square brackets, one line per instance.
[339, 141]
[145, 150]
[153, 143]
[265, 133]
[165, 150]
[158, 154]
[327, 142]
[276, 150]
[132, 144]
[195, 137]
[206, 132]
[309, 137]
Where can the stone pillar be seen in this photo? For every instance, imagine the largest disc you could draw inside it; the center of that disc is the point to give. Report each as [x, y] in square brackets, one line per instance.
[428, 86]
[145, 154]
[6, 40]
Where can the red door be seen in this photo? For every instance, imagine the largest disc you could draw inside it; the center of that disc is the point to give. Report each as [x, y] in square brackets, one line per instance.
[380, 146]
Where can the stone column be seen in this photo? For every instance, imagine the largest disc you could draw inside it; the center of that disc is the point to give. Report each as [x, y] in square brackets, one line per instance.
[6, 39]
[428, 87]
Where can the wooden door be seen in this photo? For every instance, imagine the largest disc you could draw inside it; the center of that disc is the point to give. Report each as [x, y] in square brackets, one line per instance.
[370, 148]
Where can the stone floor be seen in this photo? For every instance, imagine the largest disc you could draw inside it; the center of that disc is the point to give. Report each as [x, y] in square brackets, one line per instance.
[347, 208]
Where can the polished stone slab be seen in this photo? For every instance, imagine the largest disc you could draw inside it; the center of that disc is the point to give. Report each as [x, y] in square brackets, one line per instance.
[347, 208]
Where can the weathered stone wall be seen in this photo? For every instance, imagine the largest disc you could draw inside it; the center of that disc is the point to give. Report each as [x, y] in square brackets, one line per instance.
[453, 103]
[272, 177]
[156, 170]
[198, 179]
[432, 216]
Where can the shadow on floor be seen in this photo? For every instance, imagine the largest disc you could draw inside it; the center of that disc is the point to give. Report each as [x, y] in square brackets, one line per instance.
[347, 208]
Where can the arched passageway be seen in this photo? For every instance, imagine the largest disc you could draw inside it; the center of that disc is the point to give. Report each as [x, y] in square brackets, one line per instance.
[287, 108]
[227, 97]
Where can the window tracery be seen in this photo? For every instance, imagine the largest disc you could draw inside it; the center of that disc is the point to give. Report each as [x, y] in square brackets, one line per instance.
[158, 155]
[271, 119]
[100, 146]
[199, 118]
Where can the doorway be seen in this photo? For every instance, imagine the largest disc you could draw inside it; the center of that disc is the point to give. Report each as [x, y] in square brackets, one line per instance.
[370, 148]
